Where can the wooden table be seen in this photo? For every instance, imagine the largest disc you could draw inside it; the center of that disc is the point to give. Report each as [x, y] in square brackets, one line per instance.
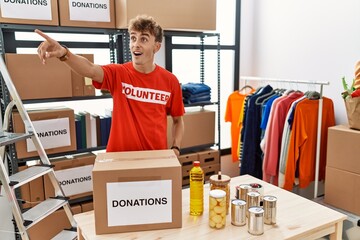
[297, 218]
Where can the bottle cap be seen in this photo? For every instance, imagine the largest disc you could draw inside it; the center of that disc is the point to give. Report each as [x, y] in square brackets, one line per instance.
[196, 163]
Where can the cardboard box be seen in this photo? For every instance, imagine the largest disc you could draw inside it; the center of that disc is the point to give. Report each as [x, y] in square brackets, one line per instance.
[74, 175]
[342, 189]
[24, 12]
[186, 162]
[87, 13]
[53, 80]
[52, 224]
[209, 157]
[150, 181]
[36, 80]
[87, 206]
[82, 86]
[342, 148]
[199, 129]
[55, 128]
[170, 14]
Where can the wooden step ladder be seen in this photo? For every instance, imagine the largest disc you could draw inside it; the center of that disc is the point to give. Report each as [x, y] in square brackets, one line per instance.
[9, 183]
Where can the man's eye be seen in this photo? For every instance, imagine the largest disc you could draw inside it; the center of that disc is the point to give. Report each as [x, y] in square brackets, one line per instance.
[144, 39]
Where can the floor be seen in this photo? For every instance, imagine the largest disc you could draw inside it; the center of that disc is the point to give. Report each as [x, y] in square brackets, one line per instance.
[351, 230]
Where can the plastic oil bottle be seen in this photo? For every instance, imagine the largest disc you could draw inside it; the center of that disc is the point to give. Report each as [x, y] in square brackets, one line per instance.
[196, 189]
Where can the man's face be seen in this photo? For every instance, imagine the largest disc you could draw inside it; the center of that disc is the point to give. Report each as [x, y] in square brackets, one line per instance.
[143, 47]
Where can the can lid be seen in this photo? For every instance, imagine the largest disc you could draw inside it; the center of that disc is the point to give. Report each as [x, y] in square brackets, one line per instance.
[270, 198]
[217, 193]
[238, 202]
[245, 186]
[253, 193]
[256, 210]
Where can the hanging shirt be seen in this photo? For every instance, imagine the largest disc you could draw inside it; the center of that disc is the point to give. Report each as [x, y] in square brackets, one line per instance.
[234, 108]
[302, 146]
[273, 144]
[251, 161]
[141, 103]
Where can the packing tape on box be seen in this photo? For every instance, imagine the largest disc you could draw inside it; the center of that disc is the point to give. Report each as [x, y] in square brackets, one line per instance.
[131, 159]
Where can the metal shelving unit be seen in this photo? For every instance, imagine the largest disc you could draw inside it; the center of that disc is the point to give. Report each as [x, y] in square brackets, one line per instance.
[202, 47]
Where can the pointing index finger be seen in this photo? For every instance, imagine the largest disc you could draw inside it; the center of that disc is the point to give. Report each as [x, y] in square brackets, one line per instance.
[46, 37]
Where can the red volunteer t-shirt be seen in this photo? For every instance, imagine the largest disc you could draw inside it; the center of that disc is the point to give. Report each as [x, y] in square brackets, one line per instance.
[141, 103]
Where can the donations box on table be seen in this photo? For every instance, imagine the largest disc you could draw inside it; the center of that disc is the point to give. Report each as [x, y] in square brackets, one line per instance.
[136, 191]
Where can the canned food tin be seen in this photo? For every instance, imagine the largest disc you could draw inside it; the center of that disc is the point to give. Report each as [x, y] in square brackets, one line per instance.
[243, 191]
[270, 210]
[256, 221]
[253, 199]
[238, 212]
[217, 209]
[258, 188]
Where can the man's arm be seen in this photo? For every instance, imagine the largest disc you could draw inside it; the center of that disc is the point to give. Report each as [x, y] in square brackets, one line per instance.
[51, 48]
[177, 133]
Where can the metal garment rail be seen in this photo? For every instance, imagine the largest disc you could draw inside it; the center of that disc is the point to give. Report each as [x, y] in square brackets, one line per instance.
[318, 139]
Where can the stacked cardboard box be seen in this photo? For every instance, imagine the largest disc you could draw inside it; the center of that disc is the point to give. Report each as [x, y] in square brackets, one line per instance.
[199, 129]
[209, 162]
[53, 80]
[343, 169]
[30, 12]
[74, 174]
[55, 128]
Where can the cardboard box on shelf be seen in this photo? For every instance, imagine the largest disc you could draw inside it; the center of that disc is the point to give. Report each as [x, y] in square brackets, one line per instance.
[55, 128]
[199, 129]
[25, 12]
[53, 80]
[188, 15]
[341, 148]
[209, 157]
[186, 162]
[52, 224]
[82, 86]
[36, 80]
[87, 206]
[128, 185]
[342, 190]
[87, 13]
[74, 175]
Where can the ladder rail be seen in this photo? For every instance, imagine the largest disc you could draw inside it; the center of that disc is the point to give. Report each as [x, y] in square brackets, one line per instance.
[12, 199]
[29, 128]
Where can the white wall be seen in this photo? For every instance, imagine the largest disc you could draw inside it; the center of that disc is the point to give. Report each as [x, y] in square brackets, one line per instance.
[315, 40]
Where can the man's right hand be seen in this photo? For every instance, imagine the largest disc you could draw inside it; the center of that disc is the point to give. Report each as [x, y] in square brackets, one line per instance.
[49, 48]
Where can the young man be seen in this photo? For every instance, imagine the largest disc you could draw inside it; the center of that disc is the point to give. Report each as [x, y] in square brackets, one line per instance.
[143, 92]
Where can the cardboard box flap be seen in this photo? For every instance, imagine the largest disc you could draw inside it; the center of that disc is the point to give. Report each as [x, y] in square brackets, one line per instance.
[136, 160]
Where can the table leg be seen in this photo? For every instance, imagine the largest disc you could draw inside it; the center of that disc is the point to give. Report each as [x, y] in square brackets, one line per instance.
[337, 235]
[79, 234]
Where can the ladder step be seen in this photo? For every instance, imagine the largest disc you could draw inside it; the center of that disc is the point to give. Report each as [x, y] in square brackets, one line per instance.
[8, 138]
[42, 210]
[20, 178]
[66, 234]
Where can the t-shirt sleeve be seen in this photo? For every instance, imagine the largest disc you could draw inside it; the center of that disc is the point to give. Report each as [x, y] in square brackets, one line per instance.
[109, 75]
[176, 105]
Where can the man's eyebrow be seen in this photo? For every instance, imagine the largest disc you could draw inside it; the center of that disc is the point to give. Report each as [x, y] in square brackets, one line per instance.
[142, 34]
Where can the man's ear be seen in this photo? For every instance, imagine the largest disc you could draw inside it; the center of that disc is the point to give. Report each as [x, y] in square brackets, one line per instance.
[157, 47]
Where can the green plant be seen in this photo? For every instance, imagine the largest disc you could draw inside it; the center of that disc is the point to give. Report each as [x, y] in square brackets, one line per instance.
[347, 90]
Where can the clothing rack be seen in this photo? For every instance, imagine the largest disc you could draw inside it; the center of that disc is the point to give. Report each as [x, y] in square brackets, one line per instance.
[318, 140]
